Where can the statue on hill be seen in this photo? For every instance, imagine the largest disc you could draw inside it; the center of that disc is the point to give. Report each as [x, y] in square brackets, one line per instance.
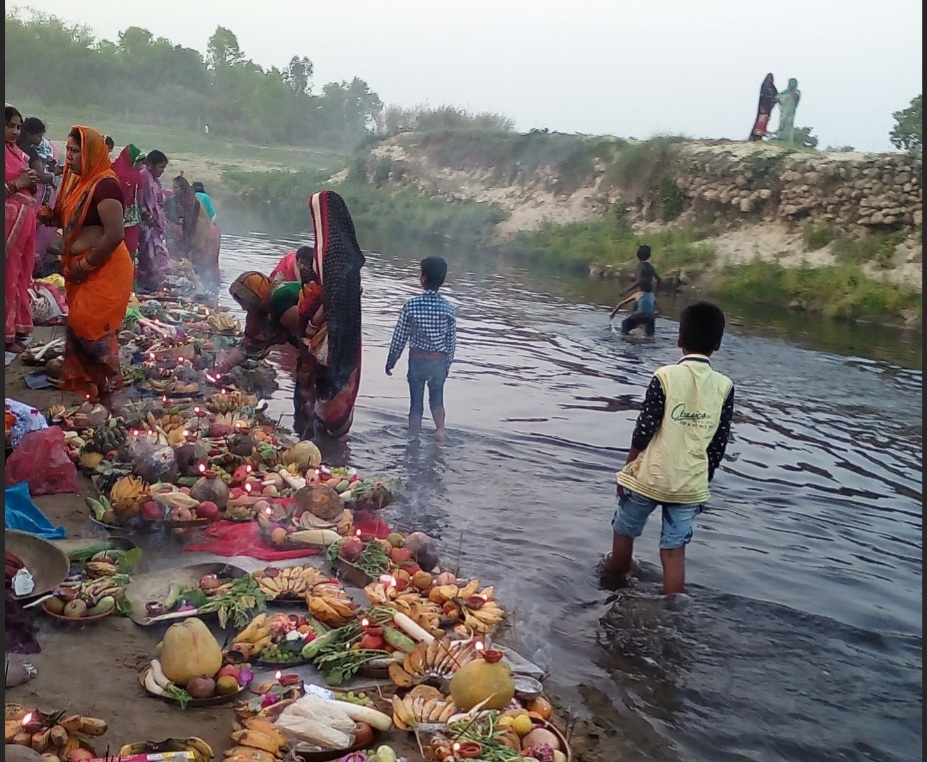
[768, 96]
[788, 102]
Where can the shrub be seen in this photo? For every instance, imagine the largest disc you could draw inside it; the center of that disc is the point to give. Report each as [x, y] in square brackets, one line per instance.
[817, 236]
[671, 199]
[639, 167]
[381, 171]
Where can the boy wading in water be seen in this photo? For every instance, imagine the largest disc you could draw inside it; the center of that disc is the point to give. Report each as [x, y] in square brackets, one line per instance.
[677, 445]
[427, 323]
[643, 291]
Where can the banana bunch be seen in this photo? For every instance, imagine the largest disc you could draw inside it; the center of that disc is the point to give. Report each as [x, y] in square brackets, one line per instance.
[94, 593]
[257, 740]
[171, 386]
[234, 419]
[108, 436]
[380, 594]
[54, 411]
[475, 608]
[202, 751]
[171, 422]
[288, 582]
[423, 612]
[255, 637]
[435, 661]
[98, 569]
[228, 401]
[330, 604]
[127, 494]
[54, 735]
[422, 705]
[224, 324]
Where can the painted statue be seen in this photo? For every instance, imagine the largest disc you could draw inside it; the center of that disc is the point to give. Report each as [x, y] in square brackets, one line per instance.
[788, 103]
[768, 96]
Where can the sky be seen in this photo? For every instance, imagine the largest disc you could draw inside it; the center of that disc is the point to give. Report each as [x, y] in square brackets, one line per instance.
[631, 68]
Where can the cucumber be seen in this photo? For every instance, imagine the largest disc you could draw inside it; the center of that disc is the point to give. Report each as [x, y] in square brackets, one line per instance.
[397, 640]
[312, 648]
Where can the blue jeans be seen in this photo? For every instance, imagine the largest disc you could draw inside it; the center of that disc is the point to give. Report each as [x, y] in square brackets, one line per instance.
[426, 370]
[634, 510]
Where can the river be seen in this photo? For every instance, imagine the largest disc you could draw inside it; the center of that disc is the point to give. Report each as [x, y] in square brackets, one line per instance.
[800, 636]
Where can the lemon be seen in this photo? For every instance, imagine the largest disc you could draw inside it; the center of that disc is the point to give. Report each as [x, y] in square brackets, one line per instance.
[522, 724]
[506, 722]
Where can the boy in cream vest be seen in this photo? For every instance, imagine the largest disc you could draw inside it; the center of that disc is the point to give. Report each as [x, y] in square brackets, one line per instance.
[677, 445]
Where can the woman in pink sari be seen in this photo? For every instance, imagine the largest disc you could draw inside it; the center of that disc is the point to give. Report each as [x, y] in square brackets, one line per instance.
[21, 183]
[152, 260]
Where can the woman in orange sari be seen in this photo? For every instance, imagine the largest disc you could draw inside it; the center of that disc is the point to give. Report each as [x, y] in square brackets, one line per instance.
[96, 264]
[19, 207]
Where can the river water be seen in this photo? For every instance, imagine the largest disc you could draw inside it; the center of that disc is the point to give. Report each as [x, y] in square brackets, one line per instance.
[800, 636]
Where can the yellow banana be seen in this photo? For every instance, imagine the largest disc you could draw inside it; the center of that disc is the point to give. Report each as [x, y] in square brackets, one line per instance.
[267, 728]
[256, 740]
[199, 747]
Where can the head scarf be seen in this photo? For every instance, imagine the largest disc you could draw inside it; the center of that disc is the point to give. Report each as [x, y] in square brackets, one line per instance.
[77, 189]
[129, 177]
[252, 290]
[337, 262]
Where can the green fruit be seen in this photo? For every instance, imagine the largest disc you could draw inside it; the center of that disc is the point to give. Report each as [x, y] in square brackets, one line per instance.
[395, 539]
[54, 605]
[104, 606]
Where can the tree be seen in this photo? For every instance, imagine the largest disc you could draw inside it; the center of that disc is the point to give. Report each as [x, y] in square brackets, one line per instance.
[299, 75]
[223, 49]
[908, 132]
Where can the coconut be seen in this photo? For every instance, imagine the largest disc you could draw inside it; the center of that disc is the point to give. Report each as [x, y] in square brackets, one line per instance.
[242, 444]
[424, 550]
[211, 489]
[189, 456]
[320, 500]
[304, 454]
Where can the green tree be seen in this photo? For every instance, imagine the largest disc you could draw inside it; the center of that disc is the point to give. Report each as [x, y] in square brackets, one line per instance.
[299, 75]
[223, 49]
[908, 132]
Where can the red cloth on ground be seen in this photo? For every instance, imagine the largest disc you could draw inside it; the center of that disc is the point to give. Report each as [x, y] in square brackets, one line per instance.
[232, 538]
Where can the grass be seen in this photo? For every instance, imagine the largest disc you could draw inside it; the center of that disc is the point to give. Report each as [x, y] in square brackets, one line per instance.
[612, 242]
[817, 236]
[399, 212]
[173, 141]
[842, 291]
[877, 248]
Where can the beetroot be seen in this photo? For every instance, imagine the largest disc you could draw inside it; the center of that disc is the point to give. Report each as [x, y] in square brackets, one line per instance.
[351, 549]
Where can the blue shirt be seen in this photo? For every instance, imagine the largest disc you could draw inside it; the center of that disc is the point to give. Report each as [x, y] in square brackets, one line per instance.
[207, 205]
[428, 324]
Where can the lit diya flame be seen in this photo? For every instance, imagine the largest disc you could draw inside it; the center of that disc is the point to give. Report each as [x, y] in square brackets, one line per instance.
[202, 468]
[278, 675]
[358, 533]
[247, 488]
[27, 719]
[269, 511]
[248, 469]
[151, 356]
[365, 623]
[479, 645]
[456, 747]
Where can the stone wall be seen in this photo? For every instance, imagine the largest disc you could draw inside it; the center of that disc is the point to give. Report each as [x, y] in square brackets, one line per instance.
[874, 191]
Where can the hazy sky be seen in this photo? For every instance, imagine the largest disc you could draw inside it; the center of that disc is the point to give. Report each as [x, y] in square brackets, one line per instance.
[631, 68]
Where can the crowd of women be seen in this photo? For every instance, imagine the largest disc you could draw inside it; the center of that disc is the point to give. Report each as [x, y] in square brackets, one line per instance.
[108, 227]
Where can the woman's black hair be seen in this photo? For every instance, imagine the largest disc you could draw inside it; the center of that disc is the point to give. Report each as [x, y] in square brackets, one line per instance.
[10, 112]
[32, 125]
[305, 252]
[75, 135]
[182, 181]
[643, 253]
[155, 157]
[110, 143]
[198, 187]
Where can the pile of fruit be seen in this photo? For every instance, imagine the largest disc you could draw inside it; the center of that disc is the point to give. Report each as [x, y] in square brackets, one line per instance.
[55, 735]
[277, 639]
[234, 599]
[291, 583]
[82, 599]
[201, 751]
[190, 666]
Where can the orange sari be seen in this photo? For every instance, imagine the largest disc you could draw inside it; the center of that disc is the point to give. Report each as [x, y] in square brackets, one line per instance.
[97, 305]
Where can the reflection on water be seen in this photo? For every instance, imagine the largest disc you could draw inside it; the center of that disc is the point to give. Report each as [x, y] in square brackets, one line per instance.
[801, 636]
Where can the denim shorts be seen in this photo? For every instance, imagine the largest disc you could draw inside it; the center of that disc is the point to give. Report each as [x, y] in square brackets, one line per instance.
[634, 510]
[426, 370]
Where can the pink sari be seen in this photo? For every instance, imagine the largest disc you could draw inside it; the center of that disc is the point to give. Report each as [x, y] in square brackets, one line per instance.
[20, 249]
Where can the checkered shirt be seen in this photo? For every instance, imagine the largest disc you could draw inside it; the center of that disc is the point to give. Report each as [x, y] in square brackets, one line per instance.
[427, 323]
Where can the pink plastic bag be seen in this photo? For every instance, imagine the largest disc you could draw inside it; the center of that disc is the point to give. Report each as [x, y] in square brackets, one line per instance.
[41, 459]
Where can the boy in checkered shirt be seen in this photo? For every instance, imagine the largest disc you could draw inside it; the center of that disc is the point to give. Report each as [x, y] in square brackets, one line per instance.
[427, 323]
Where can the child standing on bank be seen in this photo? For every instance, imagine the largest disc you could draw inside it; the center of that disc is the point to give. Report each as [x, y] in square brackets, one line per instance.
[428, 324]
[677, 445]
[642, 291]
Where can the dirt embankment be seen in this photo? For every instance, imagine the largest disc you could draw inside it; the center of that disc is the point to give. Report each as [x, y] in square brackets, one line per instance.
[756, 201]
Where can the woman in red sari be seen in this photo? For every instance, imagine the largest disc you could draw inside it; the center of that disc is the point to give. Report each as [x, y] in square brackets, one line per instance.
[328, 371]
[21, 183]
[97, 266]
[128, 169]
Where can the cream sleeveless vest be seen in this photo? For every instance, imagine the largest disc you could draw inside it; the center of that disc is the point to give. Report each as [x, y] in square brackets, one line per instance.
[674, 467]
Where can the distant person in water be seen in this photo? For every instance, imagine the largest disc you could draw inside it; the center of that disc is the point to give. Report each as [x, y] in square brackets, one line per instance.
[677, 446]
[428, 325]
[642, 290]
